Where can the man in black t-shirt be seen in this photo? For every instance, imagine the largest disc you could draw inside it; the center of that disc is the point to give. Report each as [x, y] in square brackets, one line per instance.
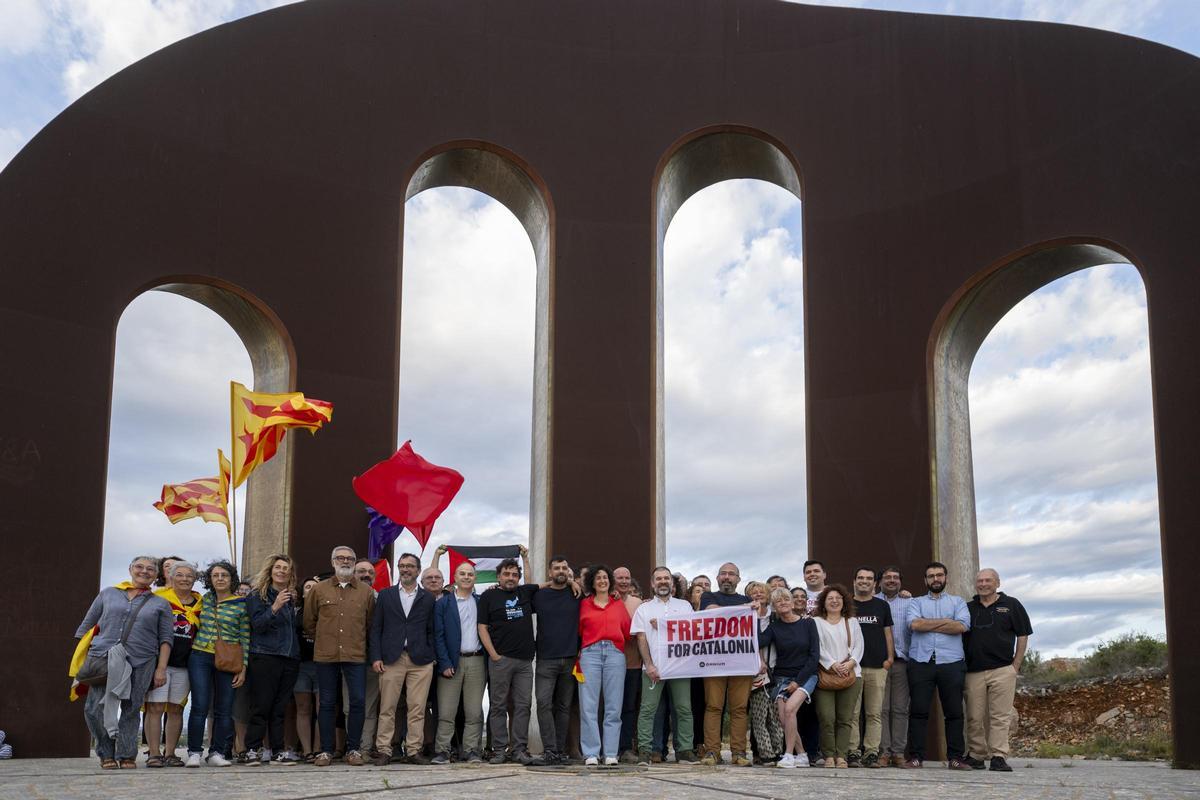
[875, 619]
[506, 632]
[557, 610]
[995, 647]
[731, 689]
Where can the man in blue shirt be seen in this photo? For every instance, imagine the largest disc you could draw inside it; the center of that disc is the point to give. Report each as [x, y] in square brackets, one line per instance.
[936, 623]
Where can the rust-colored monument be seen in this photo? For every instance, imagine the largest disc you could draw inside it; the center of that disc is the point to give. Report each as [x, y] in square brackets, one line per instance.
[948, 167]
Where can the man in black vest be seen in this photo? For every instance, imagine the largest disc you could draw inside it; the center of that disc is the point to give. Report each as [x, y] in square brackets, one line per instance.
[401, 652]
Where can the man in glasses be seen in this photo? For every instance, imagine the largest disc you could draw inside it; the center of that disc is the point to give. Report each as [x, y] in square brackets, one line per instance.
[995, 648]
[337, 614]
[937, 621]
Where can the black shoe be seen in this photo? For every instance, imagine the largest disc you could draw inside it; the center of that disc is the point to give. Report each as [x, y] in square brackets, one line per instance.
[522, 757]
[499, 758]
[998, 765]
[974, 763]
[543, 759]
[870, 761]
[418, 759]
[440, 759]
[686, 757]
[854, 759]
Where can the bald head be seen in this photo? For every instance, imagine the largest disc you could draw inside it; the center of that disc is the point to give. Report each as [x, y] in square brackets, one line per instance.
[987, 582]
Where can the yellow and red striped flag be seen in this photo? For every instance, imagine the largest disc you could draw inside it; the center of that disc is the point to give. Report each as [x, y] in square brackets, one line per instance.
[260, 421]
[206, 498]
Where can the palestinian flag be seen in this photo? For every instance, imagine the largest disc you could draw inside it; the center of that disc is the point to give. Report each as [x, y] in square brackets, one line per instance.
[484, 559]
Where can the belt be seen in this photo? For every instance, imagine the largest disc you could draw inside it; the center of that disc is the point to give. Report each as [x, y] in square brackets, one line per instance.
[478, 652]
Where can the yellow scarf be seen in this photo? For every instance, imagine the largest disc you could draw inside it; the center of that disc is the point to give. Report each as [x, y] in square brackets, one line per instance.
[80, 655]
[192, 612]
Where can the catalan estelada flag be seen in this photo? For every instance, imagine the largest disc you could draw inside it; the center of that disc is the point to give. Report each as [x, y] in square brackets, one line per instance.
[206, 498]
[261, 420]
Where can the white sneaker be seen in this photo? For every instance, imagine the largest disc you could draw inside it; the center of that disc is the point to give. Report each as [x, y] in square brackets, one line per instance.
[787, 762]
[800, 760]
[218, 760]
[591, 761]
[610, 761]
[193, 760]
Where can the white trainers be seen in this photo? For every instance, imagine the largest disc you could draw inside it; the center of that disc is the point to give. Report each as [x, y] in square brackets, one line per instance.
[218, 760]
[786, 762]
[800, 760]
[591, 761]
[193, 760]
[610, 761]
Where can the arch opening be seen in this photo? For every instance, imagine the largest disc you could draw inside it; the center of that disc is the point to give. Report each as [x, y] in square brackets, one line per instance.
[178, 344]
[501, 186]
[757, 267]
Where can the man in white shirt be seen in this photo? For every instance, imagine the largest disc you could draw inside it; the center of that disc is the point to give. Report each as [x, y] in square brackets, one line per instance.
[461, 667]
[647, 622]
[814, 582]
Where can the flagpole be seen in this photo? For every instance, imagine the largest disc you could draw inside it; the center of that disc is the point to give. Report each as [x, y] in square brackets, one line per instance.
[232, 482]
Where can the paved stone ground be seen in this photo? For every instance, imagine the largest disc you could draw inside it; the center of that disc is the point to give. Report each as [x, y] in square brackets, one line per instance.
[82, 779]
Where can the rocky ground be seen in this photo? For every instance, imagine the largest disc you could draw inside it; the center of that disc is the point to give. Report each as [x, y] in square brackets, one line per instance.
[1126, 716]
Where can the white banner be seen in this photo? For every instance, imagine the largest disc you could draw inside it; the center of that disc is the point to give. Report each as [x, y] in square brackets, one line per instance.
[705, 644]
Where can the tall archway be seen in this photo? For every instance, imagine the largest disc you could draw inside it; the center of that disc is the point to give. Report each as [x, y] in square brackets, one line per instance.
[1062, 439]
[504, 177]
[266, 526]
[696, 162]
[962, 327]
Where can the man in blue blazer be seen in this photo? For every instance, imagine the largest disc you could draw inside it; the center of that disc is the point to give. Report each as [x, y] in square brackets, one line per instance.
[400, 647]
[461, 666]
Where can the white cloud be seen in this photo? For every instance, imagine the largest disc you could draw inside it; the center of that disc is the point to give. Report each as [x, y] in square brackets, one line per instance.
[23, 26]
[1123, 16]
[11, 142]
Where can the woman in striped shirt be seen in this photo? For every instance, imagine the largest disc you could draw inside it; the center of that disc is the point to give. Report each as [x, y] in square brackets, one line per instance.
[222, 616]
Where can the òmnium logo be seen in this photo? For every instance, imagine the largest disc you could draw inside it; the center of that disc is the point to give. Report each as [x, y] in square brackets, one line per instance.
[701, 663]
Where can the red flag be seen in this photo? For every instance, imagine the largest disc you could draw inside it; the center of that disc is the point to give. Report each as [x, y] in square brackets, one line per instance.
[409, 490]
[383, 575]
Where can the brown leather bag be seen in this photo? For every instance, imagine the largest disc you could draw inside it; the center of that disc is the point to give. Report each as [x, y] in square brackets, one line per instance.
[831, 681]
[227, 656]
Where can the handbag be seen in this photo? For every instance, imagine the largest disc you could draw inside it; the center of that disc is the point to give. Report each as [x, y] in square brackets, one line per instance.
[94, 671]
[831, 681]
[226, 655]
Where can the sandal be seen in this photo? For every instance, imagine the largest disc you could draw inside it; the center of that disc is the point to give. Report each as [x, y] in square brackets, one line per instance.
[156, 761]
[109, 763]
[128, 763]
[310, 758]
[174, 761]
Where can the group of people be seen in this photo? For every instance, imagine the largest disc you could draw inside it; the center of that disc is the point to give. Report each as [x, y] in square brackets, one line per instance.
[846, 677]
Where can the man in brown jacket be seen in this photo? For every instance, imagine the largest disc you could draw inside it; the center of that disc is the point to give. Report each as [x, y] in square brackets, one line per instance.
[337, 615]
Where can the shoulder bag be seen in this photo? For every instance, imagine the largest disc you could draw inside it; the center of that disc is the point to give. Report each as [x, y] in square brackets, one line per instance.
[94, 671]
[831, 681]
[227, 656]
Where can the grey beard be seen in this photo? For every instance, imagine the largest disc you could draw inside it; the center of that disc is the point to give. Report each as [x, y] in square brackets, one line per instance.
[344, 574]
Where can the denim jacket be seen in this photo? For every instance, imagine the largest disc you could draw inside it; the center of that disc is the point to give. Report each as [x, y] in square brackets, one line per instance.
[273, 634]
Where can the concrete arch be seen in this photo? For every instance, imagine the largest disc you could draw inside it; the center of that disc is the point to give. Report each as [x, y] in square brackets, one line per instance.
[268, 512]
[508, 179]
[698, 160]
[964, 323]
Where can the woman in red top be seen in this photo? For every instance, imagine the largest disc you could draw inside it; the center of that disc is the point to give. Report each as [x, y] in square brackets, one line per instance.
[603, 630]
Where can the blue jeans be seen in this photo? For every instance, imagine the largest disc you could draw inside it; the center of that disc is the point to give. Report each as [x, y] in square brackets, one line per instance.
[211, 689]
[329, 684]
[603, 668]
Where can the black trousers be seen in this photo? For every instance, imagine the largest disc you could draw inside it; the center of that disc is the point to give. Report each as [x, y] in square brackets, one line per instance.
[948, 679]
[269, 680]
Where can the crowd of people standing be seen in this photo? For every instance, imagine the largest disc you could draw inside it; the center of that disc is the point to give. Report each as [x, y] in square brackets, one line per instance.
[846, 679]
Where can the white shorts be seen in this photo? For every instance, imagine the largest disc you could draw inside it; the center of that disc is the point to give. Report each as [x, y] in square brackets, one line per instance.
[175, 690]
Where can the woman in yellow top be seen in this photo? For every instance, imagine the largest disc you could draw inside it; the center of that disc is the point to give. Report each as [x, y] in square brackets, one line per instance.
[222, 616]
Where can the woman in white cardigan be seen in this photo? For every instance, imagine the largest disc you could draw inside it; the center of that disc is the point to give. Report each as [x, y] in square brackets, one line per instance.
[841, 650]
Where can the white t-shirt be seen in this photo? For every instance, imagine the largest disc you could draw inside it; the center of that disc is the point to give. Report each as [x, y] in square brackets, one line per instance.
[655, 608]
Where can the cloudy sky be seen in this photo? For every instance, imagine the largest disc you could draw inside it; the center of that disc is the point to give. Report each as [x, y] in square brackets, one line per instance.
[1064, 477]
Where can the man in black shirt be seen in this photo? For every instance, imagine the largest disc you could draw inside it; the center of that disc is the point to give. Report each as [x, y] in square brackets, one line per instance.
[731, 689]
[506, 632]
[875, 618]
[557, 610]
[995, 647]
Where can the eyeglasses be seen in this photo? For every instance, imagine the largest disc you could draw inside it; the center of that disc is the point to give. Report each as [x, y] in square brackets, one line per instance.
[344, 559]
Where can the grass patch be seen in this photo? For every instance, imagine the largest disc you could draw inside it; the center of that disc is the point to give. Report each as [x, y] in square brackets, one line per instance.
[1123, 654]
[1137, 748]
